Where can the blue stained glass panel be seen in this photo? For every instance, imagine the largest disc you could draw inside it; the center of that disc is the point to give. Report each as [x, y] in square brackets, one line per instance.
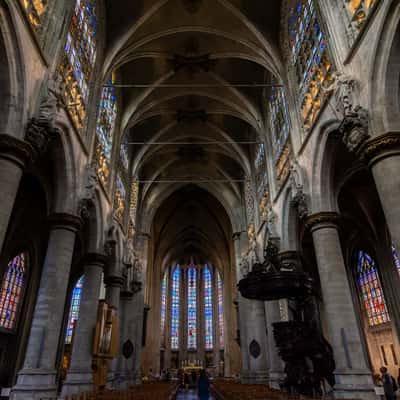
[220, 311]
[176, 279]
[163, 306]
[74, 310]
[12, 288]
[371, 291]
[192, 307]
[208, 308]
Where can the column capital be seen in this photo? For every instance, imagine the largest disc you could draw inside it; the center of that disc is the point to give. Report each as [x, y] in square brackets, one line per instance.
[15, 150]
[65, 221]
[94, 259]
[321, 219]
[379, 147]
[114, 280]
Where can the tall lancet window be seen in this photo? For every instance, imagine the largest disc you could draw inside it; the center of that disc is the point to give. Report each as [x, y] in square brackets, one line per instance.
[280, 127]
[12, 288]
[192, 307]
[74, 310]
[164, 287]
[310, 59]
[371, 291]
[220, 311]
[107, 113]
[120, 198]
[261, 173]
[208, 308]
[79, 58]
[176, 280]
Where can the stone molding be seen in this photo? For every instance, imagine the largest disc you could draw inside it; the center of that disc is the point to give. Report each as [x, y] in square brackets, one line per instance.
[114, 280]
[94, 259]
[15, 150]
[65, 221]
[380, 147]
[315, 221]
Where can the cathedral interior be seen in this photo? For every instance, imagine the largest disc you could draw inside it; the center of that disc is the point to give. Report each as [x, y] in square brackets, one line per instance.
[193, 185]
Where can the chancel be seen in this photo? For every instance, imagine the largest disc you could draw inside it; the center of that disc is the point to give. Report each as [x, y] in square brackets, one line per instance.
[199, 198]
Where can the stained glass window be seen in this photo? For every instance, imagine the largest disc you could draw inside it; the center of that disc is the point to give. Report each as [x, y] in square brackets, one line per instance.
[36, 11]
[107, 113]
[74, 310]
[119, 199]
[192, 307]
[208, 308]
[310, 59]
[79, 59]
[261, 173]
[371, 290]
[12, 288]
[124, 153]
[220, 311]
[358, 12]
[176, 280]
[164, 288]
[396, 258]
[249, 198]
[133, 201]
[280, 127]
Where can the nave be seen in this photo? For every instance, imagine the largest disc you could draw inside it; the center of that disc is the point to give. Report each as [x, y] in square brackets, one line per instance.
[199, 185]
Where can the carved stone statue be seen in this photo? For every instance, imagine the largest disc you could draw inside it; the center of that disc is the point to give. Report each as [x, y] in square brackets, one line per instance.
[129, 253]
[252, 256]
[343, 86]
[354, 129]
[264, 203]
[244, 266]
[137, 270]
[90, 182]
[271, 222]
[52, 100]
[299, 198]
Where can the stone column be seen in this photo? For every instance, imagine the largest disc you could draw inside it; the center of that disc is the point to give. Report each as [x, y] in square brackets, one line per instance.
[253, 339]
[276, 366]
[14, 155]
[353, 378]
[382, 154]
[79, 376]
[37, 379]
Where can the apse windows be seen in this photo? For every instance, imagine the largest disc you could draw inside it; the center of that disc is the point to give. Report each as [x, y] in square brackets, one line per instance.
[370, 289]
[192, 288]
[220, 311]
[208, 308]
[192, 307]
[107, 113]
[36, 11]
[176, 280]
[74, 310]
[12, 288]
[280, 127]
[79, 59]
[310, 59]
[164, 289]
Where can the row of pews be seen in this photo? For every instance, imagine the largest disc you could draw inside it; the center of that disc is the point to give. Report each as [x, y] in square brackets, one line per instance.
[230, 390]
[149, 391]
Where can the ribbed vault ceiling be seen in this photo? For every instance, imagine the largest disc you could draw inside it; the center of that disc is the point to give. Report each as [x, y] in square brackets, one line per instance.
[188, 60]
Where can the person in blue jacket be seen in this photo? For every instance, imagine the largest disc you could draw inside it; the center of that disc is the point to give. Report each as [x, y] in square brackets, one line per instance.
[203, 386]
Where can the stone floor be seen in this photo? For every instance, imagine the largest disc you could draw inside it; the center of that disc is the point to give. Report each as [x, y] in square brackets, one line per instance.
[189, 395]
